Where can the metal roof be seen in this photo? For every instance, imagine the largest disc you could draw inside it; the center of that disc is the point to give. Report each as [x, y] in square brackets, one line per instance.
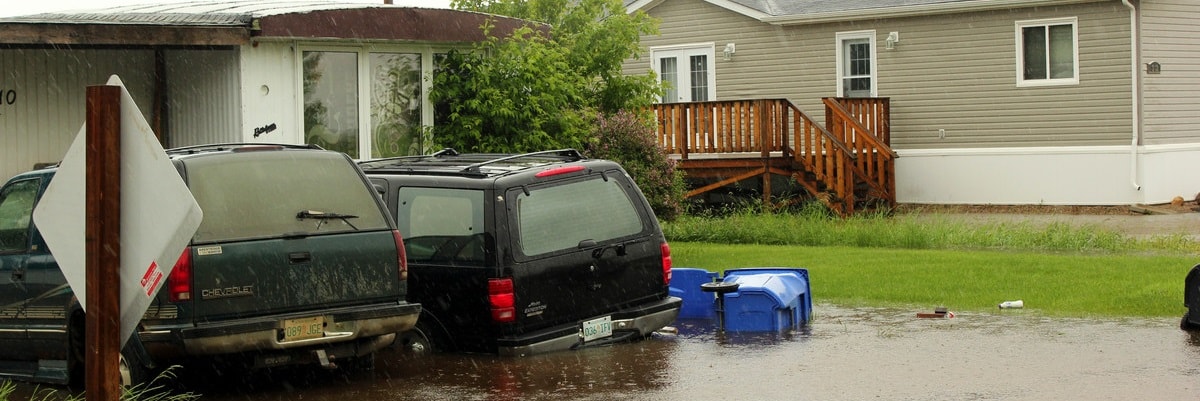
[199, 13]
[236, 22]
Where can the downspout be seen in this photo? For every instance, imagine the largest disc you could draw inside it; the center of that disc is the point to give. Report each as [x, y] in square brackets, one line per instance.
[1135, 84]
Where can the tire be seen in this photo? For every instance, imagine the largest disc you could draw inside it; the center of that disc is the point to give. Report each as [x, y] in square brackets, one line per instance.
[132, 372]
[414, 342]
[1186, 324]
[130, 367]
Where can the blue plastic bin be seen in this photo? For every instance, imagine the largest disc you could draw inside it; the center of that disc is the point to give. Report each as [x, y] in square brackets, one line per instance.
[767, 299]
[685, 284]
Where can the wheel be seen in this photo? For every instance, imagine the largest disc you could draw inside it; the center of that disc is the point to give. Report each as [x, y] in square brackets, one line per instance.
[414, 342]
[130, 366]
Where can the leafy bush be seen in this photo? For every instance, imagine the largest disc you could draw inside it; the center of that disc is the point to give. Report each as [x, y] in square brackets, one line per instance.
[629, 140]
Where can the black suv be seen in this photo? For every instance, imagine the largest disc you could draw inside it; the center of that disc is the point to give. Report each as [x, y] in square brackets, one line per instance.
[295, 262]
[524, 254]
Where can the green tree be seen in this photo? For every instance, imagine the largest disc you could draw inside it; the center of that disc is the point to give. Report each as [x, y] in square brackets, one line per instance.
[558, 85]
[538, 88]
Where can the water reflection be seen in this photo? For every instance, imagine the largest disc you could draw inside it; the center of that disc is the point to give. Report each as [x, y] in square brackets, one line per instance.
[843, 354]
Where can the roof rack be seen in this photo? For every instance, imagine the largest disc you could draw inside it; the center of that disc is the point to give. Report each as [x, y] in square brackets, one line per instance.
[391, 161]
[572, 154]
[213, 147]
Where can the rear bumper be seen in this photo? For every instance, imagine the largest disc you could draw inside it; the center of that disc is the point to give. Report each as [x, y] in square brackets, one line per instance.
[631, 323]
[364, 326]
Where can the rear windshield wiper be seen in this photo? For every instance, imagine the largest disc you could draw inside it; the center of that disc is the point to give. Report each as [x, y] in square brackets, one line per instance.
[324, 216]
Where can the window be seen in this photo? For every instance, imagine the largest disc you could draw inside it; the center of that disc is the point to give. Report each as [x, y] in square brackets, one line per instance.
[695, 84]
[331, 101]
[338, 83]
[856, 66]
[261, 195]
[16, 209]
[1047, 51]
[442, 225]
[559, 217]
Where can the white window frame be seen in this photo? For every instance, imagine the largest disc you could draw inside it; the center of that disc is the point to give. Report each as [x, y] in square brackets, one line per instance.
[840, 38]
[1020, 49]
[684, 52]
[364, 84]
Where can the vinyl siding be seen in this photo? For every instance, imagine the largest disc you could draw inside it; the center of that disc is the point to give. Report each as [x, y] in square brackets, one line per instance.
[1171, 106]
[49, 93]
[955, 72]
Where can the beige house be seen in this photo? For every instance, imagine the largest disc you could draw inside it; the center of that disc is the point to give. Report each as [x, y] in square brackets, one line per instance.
[1082, 102]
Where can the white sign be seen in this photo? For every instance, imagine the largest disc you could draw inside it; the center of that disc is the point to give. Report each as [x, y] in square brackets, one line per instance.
[158, 215]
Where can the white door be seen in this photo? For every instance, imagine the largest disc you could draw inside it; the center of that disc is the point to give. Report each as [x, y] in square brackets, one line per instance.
[687, 73]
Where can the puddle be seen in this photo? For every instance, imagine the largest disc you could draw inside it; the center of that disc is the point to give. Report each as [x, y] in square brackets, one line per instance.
[844, 354]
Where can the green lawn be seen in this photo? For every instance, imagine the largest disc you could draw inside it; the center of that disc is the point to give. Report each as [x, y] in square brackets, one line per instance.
[1053, 284]
[881, 260]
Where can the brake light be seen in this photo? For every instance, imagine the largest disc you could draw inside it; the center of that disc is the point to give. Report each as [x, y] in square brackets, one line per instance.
[179, 283]
[666, 263]
[558, 170]
[401, 254]
[502, 300]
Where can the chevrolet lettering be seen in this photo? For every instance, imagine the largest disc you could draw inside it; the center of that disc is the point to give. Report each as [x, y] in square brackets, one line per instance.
[243, 291]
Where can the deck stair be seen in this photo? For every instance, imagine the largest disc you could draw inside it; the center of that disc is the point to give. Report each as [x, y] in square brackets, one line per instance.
[846, 163]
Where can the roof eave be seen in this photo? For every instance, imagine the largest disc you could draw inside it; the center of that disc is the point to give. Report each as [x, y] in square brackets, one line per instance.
[916, 10]
[646, 5]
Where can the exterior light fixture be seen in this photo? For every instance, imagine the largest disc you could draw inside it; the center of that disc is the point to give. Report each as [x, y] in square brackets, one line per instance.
[729, 50]
[892, 39]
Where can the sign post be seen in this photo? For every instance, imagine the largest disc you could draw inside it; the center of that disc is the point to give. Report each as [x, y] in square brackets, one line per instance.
[103, 243]
[115, 164]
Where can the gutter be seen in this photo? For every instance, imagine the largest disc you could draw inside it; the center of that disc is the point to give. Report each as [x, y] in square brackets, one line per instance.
[1135, 84]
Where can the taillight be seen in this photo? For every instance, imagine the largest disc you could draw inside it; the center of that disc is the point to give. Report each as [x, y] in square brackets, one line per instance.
[666, 263]
[180, 282]
[401, 254]
[501, 299]
[558, 170]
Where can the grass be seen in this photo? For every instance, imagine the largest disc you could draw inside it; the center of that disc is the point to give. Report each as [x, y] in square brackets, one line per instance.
[155, 390]
[902, 261]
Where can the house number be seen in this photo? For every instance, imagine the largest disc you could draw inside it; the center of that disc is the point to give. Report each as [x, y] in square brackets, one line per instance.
[8, 97]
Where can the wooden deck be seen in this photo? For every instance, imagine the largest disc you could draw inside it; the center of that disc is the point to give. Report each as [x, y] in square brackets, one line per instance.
[845, 163]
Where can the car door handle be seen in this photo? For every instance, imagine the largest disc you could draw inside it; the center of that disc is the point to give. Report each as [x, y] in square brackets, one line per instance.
[299, 257]
[18, 275]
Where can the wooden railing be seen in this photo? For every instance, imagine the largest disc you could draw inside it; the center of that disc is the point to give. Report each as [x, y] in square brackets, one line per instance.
[863, 124]
[827, 162]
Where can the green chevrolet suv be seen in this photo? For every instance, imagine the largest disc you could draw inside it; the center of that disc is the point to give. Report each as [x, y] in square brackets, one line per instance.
[295, 262]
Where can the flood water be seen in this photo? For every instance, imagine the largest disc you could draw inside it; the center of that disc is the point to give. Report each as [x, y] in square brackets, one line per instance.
[843, 354]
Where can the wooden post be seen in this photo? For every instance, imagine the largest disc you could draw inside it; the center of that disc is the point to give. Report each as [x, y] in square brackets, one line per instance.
[102, 237]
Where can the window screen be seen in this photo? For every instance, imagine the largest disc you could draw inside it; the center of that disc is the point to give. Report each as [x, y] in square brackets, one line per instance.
[560, 217]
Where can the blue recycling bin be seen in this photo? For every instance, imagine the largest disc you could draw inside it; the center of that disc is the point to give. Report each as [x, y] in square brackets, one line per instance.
[768, 299]
[685, 284]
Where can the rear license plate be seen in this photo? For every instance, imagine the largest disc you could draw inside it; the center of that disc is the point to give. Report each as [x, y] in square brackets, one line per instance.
[303, 329]
[597, 328]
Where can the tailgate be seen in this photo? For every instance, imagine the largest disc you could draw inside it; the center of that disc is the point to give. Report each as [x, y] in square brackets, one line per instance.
[590, 286]
[252, 278]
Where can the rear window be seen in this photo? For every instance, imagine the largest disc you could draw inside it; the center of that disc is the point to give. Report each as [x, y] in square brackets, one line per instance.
[442, 226]
[269, 194]
[559, 217]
